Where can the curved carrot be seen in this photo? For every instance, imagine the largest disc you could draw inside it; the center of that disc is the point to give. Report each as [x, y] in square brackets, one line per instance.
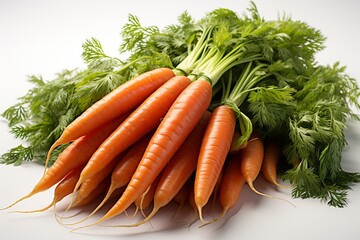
[177, 124]
[251, 160]
[214, 149]
[142, 120]
[75, 155]
[123, 99]
[272, 156]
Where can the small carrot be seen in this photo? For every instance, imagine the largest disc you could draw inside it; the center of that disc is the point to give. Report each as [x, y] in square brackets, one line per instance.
[75, 155]
[251, 160]
[90, 184]
[123, 99]
[272, 156]
[142, 121]
[232, 183]
[214, 149]
[180, 120]
[95, 193]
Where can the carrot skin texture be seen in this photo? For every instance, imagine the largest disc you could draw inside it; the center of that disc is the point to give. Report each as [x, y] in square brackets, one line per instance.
[141, 121]
[78, 153]
[251, 158]
[177, 124]
[181, 166]
[232, 182]
[88, 186]
[272, 155]
[123, 99]
[127, 165]
[214, 149]
[95, 193]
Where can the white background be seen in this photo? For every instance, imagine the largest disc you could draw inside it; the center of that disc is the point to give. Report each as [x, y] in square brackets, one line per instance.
[45, 37]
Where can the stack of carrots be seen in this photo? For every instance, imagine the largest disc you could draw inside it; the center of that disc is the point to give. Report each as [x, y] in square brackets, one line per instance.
[166, 135]
[147, 138]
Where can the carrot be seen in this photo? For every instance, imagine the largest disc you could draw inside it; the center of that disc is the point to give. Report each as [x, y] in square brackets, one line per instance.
[182, 197]
[90, 184]
[214, 149]
[147, 197]
[63, 189]
[232, 183]
[251, 160]
[75, 155]
[123, 171]
[95, 193]
[142, 120]
[235, 147]
[272, 156]
[216, 189]
[123, 99]
[177, 124]
[179, 169]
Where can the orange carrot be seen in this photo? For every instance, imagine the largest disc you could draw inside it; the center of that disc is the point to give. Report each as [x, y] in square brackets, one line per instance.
[182, 197]
[232, 183]
[90, 184]
[123, 99]
[235, 147]
[95, 193]
[147, 197]
[142, 121]
[123, 171]
[214, 149]
[177, 124]
[75, 155]
[180, 167]
[272, 156]
[251, 160]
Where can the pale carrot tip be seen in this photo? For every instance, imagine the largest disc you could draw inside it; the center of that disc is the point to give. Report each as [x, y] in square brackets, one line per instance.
[55, 144]
[19, 200]
[250, 183]
[36, 210]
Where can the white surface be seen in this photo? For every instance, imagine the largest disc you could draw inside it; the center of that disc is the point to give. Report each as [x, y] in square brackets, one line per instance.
[44, 37]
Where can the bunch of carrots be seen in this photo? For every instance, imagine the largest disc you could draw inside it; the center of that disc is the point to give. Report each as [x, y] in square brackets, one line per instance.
[184, 133]
[148, 148]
